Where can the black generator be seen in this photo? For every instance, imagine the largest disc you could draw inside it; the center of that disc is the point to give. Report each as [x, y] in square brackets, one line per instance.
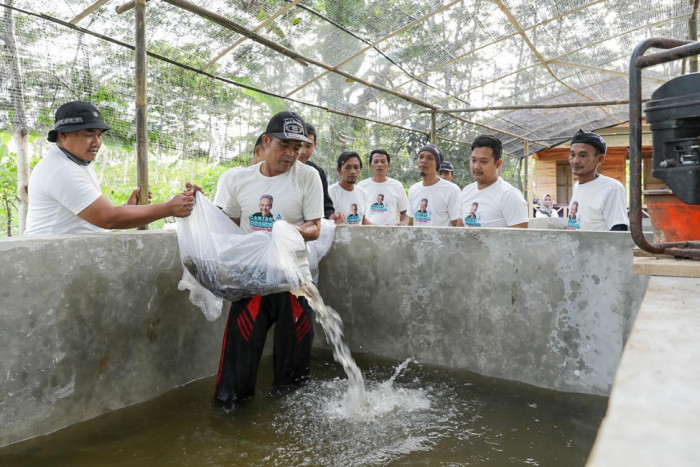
[673, 114]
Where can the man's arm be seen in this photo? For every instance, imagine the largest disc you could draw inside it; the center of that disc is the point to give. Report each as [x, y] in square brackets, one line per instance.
[454, 223]
[310, 230]
[522, 225]
[410, 222]
[104, 214]
[402, 218]
[365, 221]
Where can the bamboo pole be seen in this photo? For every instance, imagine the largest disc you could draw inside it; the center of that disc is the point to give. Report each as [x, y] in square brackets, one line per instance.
[260, 26]
[141, 118]
[87, 11]
[242, 30]
[529, 106]
[433, 128]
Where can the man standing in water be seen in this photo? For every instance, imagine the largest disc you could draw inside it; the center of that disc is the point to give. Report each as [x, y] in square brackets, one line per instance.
[432, 201]
[298, 199]
[391, 200]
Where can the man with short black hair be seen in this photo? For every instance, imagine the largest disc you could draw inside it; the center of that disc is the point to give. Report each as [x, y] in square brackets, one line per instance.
[298, 199]
[64, 194]
[432, 201]
[447, 171]
[600, 201]
[350, 201]
[491, 201]
[391, 210]
[307, 151]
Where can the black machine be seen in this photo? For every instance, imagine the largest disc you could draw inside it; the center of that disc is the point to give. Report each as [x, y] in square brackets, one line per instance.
[673, 114]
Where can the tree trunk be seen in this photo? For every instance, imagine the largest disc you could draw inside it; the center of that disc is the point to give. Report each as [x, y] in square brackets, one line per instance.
[19, 118]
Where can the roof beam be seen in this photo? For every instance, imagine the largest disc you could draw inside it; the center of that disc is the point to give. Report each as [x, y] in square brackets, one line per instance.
[89, 10]
[598, 69]
[494, 42]
[506, 11]
[233, 26]
[257, 28]
[373, 45]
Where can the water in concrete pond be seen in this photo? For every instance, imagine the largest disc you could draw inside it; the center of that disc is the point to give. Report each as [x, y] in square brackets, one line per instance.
[433, 416]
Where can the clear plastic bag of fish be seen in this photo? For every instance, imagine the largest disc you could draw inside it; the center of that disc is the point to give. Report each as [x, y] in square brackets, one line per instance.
[232, 265]
[321, 246]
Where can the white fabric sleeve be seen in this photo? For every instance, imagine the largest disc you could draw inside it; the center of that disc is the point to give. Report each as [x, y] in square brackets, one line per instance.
[615, 207]
[225, 197]
[74, 189]
[402, 199]
[514, 208]
[409, 209]
[312, 203]
[454, 203]
[220, 196]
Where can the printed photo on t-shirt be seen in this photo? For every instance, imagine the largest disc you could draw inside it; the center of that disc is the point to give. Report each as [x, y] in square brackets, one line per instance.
[574, 221]
[354, 217]
[379, 205]
[422, 216]
[473, 219]
[264, 219]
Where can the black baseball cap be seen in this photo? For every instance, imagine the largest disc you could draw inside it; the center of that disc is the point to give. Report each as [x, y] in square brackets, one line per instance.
[287, 125]
[446, 166]
[76, 116]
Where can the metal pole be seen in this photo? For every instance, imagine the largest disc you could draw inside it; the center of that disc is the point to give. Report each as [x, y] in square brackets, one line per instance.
[141, 124]
[433, 128]
[679, 49]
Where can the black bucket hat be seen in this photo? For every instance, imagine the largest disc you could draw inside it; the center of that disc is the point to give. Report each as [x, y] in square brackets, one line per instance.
[76, 116]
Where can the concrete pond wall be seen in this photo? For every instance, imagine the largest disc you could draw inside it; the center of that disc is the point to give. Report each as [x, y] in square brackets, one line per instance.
[93, 323]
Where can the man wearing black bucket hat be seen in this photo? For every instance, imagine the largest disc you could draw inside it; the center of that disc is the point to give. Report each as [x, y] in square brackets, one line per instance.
[64, 194]
[601, 200]
[298, 199]
[432, 201]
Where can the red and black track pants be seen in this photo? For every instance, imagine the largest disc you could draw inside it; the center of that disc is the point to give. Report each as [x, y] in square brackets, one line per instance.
[244, 339]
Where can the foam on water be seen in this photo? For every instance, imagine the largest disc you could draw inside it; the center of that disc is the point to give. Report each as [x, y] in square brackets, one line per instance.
[394, 421]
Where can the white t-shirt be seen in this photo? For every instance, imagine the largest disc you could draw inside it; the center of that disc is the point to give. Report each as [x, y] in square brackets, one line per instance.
[59, 190]
[297, 196]
[384, 210]
[436, 204]
[498, 205]
[351, 203]
[601, 204]
[223, 180]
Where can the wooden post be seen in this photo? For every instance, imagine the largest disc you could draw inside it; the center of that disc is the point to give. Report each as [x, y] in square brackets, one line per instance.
[141, 123]
[433, 128]
[19, 122]
[526, 192]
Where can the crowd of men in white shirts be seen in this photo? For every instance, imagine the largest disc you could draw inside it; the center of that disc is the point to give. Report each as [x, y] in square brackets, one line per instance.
[489, 201]
[283, 184]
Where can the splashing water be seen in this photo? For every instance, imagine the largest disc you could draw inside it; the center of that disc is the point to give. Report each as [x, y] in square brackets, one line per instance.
[332, 326]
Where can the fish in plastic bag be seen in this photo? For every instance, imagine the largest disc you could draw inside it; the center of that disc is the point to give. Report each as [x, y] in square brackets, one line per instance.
[229, 264]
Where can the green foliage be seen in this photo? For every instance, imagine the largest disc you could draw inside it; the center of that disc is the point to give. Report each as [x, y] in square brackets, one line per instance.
[8, 187]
